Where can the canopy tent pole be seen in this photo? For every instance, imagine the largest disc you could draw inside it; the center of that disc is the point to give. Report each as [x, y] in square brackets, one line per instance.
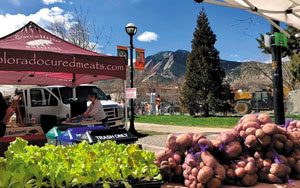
[74, 86]
[277, 81]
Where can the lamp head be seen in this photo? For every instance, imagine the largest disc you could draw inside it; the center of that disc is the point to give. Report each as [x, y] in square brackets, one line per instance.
[131, 29]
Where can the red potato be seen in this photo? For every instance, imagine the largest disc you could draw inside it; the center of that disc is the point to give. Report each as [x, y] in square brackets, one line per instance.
[281, 130]
[172, 162]
[278, 145]
[265, 141]
[239, 127]
[259, 133]
[190, 160]
[267, 163]
[269, 128]
[195, 171]
[297, 167]
[177, 158]
[220, 172]
[197, 137]
[250, 131]
[247, 125]
[279, 170]
[291, 161]
[280, 137]
[230, 173]
[264, 118]
[250, 168]
[251, 159]
[214, 183]
[163, 155]
[184, 140]
[249, 180]
[205, 174]
[232, 150]
[274, 179]
[249, 118]
[206, 142]
[298, 124]
[239, 172]
[178, 170]
[243, 134]
[251, 141]
[208, 159]
[171, 142]
[241, 164]
[187, 182]
[228, 136]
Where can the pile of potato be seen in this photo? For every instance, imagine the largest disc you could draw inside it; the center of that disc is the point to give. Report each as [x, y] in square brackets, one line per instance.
[255, 150]
[241, 172]
[202, 170]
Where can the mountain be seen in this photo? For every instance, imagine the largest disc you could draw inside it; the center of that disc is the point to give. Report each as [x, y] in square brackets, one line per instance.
[172, 65]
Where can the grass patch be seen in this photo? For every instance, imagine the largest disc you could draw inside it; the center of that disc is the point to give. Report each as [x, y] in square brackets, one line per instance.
[183, 120]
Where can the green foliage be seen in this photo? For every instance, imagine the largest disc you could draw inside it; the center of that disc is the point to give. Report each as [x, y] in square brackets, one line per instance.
[294, 67]
[203, 90]
[76, 165]
[293, 43]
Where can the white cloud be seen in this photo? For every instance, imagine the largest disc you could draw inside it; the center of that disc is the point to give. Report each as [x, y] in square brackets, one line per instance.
[48, 2]
[43, 17]
[147, 36]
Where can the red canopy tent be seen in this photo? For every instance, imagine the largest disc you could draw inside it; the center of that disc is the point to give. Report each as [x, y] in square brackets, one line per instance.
[33, 56]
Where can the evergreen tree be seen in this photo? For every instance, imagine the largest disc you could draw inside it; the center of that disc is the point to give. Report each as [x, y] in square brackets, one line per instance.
[203, 90]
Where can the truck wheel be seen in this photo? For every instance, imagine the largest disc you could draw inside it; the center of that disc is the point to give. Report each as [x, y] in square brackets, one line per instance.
[242, 108]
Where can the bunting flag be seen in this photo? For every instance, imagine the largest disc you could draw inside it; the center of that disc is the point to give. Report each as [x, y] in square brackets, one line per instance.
[140, 59]
[123, 52]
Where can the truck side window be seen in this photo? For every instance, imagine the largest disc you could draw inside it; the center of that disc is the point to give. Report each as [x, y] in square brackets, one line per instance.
[41, 97]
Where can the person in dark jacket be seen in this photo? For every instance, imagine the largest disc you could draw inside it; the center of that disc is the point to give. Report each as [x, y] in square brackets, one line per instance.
[3, 107]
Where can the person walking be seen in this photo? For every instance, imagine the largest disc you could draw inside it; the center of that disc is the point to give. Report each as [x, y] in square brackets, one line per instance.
[157, 104]
[152, 103]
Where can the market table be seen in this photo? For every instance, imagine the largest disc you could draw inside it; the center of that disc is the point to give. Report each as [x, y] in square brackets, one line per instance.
[294, 184]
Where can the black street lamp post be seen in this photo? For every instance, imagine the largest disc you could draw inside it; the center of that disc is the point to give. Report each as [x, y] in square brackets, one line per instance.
[277, 81]
[131, 30]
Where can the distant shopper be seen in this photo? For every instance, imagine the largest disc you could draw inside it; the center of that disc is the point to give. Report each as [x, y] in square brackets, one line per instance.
[157, 104]
[95, 110]
[152, 102]
[3, 116]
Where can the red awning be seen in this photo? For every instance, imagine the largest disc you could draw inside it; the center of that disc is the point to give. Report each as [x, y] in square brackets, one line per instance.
[31, 55]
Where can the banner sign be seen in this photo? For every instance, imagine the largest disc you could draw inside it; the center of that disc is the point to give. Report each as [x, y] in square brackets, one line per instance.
[140, 59]
[130, 93]
[122, 51]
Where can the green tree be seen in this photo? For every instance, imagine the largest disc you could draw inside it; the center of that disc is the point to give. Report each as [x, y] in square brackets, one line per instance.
[203, 90]
[293, 43]
[294, 67]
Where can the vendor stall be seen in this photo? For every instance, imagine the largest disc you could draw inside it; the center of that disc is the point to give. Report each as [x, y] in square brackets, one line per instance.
[33, 56]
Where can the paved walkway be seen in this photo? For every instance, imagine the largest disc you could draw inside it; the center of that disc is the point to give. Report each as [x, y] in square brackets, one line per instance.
[157, 141]
[176, 129]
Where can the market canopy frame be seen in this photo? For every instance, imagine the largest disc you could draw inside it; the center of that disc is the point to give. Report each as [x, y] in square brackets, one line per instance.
[34, 56]
[286, 11]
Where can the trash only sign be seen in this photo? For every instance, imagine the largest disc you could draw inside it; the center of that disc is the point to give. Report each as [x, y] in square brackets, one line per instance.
[130, 93]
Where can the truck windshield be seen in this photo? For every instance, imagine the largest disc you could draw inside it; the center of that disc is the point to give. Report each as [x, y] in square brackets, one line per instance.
[81, 93]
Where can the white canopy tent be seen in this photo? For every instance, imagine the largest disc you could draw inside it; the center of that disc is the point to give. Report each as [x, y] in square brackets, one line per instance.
[286, 11]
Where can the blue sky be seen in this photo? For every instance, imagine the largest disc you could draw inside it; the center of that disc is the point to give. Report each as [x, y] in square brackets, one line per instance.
[170, 22]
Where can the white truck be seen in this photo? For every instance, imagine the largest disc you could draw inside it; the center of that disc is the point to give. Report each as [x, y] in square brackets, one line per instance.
[55, 101]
